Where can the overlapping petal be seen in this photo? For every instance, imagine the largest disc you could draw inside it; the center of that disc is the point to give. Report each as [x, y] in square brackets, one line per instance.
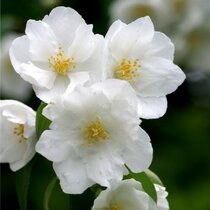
[88, 128]
[55, 48]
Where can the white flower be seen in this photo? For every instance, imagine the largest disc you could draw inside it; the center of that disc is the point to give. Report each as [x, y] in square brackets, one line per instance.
[192, 36]
[144, 58]
[129, 10]
[127, 194]
[162, 202]
[57, 51]
[17, 129]
[11, 85]
[94, 132]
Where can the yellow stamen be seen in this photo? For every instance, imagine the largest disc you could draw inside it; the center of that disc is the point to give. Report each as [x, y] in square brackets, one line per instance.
[128, 70]
[19, 131]
[115, 207]
[94, 132]
[60, 63]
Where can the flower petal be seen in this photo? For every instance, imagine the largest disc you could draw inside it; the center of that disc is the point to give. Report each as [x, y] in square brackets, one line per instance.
[104, 167]
[17, 112]
[64, 23]
[116, 89]
[160, 46]
[158, 77]
[53, 145]
[151, 107]
[18, 56]
[56, 89]
[73, 176]
[37, 76]
[138, 154]
[114, 29]
[28, 155]
[77, 78]
[83, 44]
[131, 38]
[42, 41]
[95, 64]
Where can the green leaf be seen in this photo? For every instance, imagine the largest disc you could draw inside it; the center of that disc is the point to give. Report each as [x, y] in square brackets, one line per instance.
[146, 182]
[48, 193]
[42, 123]
[22, 182]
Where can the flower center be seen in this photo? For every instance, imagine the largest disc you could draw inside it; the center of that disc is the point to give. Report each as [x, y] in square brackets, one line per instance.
[95, 132]
[143, 10]
[179, 5]
[128, 70]
[19, 131]
[60, 63]
[115, 207]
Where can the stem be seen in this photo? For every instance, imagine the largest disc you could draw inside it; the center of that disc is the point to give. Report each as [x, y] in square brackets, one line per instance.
[48, 193]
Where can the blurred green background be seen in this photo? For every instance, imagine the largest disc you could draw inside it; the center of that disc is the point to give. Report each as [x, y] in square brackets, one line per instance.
[181, 139]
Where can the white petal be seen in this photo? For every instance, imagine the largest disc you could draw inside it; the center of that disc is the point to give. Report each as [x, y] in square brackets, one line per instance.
[64, 22]
[52, 111]
[160, 46]
[138, 154]
[12, 150]
[54, 145]
[143, 30]
[162, 202]
[28, 155]
[83, 43]
[132, 39]
[95, 64]
[17, 112]
[37, 76]
[73, 176]
[42, 41]
[104, 167]
[77, 78]
[12, 85]
[114, 29]
[158, 77]
[116, 89]
[151, 107]
[18, 56]
[48, 95]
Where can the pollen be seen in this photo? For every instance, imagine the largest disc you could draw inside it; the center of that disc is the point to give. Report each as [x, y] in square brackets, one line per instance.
[94, 132]
[128, 70]
[115, 207]
[60, 63]
[19, 132]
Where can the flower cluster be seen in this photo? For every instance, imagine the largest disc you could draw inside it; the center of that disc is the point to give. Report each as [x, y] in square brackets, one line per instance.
[96, 89]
